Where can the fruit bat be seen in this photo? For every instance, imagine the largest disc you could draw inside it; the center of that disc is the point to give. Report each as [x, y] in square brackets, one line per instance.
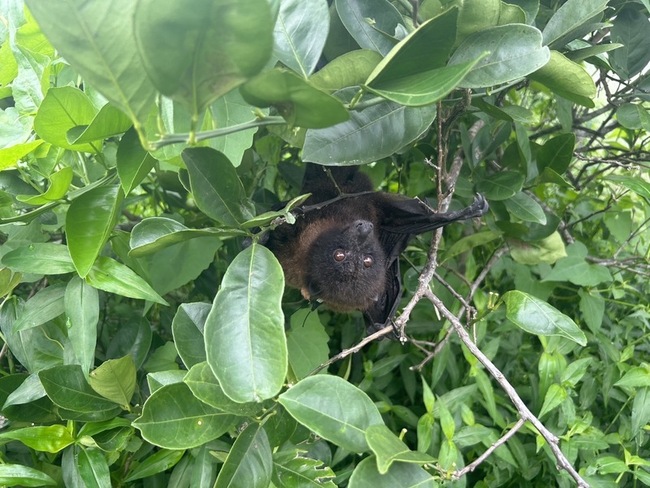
[343, 250]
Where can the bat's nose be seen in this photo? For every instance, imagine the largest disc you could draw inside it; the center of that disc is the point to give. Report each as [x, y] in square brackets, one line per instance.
[363, 227]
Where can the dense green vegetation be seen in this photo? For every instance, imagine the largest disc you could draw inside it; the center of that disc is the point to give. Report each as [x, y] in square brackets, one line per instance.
[144, 143]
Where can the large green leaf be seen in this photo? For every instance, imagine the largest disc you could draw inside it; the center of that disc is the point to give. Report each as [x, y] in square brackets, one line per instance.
[501, 186]
[294, 468]
[19, 475]
[108, 122]
[633, 116]
[244, 334]
[133, 162]
[567, 79]
[93, 467]
[96, 37]
[59, 184]
[158, 462]
[114, 277]
[631, 28]
[40, 258]
[525, 208]
[307, 343]
[45, 305]
[372, 23]
[300, 34]
[187, 329]
[413, 73]
[295, 99]
[89, 223]
[477, 15]
[388, 448]
[173, 418]
[333, 408]
[349, 69]
[369, 135]
[63, 109]
[52, 438]
[157, 233]
[404, 475]
[538, 317]
[206, 388]
[115, 380]
[82, 309]
[217, 189]
[249, 463]
[514, 51]
[198, 50]
[566, 23]
[556, 153]
[67, 388]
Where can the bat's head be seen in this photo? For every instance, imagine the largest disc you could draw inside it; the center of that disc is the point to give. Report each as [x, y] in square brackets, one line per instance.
[346, 267]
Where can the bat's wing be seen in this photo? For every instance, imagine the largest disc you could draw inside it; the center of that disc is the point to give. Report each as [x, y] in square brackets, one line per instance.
[402, 218]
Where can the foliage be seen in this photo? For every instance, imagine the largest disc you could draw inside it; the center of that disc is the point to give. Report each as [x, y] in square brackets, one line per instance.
[145, 149]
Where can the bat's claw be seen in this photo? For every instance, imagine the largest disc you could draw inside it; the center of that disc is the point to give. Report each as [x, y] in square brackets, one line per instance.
[479, 206]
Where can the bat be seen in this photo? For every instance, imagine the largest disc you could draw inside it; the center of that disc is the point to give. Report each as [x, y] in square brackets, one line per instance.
[343, 250]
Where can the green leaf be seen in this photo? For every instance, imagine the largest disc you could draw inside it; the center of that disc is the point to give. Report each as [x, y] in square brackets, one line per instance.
[307, 343]
[349, 69]
[228, 111]
[636, 184]
[566, 22]
[173, 418]
[19, 475]
[208, 48]
[9, 156]
[632, 29]
[577, 271]
[93, 467]
[115, 380]
[158, 462]
[636, 377]
[414, 72]
[515, 50]
[89, 223]
[525, 208]
[538, 317]
[59, 184]
[244, 332]
[216, 187]
[447, 422]
[633, 116]
[300, 33]
[388, 448]
[567, 79]
[369, 135]
[501, 186]
[640, 411]
[133, 162]
[154, 234]
[113, 277]
[40, 258]
[67, 388]
[556, 153]
[548, 250]
[334, 409]
[555, 395]
[52, 438]
[187, 329]
[206, 388]
[372, 23]
[81, 303]
[96, 39]
[62, 109]
[291, 468]
[404, 475]
[249, 463]
[592, 307]
[45, 305]
[109, 122]
[576, 370]
[295, 99]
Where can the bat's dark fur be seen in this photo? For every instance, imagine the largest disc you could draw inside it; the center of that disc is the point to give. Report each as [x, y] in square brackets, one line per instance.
[345, 253]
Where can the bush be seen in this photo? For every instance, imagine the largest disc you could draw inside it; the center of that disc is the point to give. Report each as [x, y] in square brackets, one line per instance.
[144, 144]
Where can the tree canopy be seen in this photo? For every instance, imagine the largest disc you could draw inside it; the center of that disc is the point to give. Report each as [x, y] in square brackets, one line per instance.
[148, 338]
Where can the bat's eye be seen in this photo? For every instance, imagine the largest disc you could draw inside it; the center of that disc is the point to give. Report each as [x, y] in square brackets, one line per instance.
[339, 255]
[368, 261]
